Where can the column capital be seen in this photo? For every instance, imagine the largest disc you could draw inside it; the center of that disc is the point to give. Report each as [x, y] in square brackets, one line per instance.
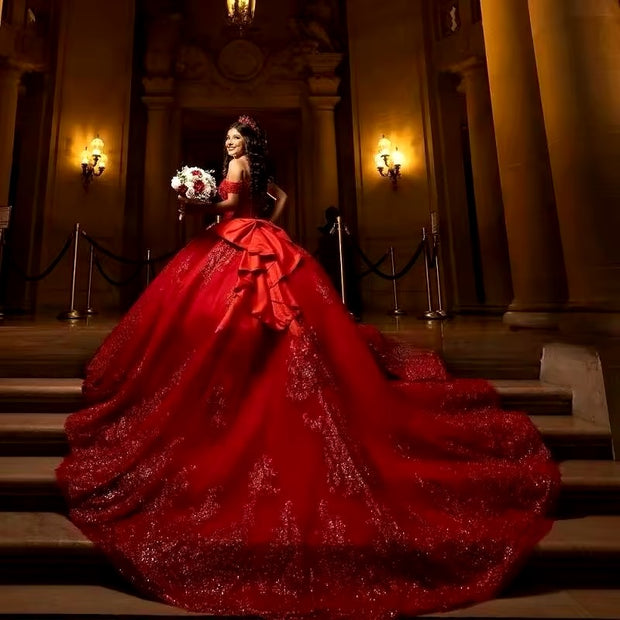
[10, 70]
[323, 63]
[469, 66]
[22, 49]
[158, 102]
[323, 79]
[323, 102]
[158, 87]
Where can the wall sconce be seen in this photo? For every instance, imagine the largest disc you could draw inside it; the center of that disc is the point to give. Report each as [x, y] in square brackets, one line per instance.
[241, 13]
[388, 161]
[94, 161]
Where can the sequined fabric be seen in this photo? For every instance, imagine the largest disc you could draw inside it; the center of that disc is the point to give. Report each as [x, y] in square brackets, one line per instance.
[311, 469]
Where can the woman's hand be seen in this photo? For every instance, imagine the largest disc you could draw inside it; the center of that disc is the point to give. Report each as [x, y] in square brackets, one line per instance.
[279, 195]
[191, 205]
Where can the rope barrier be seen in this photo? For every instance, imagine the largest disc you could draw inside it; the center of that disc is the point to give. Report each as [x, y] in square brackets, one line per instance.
[386, 276]
[376, 265]
[111, 280]
[122, 259]
[50, 267]
[425, 246]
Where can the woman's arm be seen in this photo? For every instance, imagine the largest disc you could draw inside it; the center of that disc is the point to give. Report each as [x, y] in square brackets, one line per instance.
[279, 195]
[236, 172]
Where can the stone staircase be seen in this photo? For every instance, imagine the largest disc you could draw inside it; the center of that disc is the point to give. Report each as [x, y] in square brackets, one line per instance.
[49, 570]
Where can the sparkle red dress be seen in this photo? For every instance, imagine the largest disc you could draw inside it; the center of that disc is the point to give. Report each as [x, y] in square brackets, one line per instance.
[249, 449]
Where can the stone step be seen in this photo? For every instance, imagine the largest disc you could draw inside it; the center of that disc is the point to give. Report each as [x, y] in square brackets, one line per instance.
[42, 434]
[107, 603]
[589, 487]
[32, 433]
[45, 347]
[534, 397]
[570, 437]
[45, 547]
[40, 394]
[55, 395]
[29, 483]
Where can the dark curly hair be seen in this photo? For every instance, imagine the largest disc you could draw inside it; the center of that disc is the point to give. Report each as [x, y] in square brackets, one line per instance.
[256, 150]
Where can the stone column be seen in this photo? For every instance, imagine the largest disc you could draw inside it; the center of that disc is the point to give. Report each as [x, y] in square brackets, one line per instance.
[487, 189]
[323, 86]
[577, 47]
[536, 263]
[324, 160]
[159, 218]
[9, 85]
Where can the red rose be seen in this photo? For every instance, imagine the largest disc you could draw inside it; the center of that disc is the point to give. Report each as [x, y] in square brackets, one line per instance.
[198, 186]
[182, 189]
[196, 173]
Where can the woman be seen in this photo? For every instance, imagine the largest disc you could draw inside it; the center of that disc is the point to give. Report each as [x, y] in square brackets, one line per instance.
[249, 449]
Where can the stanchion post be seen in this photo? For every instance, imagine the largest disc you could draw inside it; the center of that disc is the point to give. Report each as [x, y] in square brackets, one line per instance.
[5, 216]
[148, 266]
[89, 294]
[341, 258]
[441, 313]
[429, 312]
[1, 257]
[73, 313]
[396, 311]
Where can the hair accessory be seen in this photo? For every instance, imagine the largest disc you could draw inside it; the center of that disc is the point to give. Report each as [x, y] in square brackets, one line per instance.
[249, 121]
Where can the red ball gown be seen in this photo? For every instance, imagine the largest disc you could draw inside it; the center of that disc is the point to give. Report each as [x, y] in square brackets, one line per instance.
[249, 449]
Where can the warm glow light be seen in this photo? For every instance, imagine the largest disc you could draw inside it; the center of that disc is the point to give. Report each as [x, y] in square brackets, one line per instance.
[388, 161]
[96, 146]
[241, 12]
[93, 161]
[385, 146]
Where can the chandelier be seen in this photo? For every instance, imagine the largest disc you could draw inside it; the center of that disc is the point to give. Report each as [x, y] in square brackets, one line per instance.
[241, 12]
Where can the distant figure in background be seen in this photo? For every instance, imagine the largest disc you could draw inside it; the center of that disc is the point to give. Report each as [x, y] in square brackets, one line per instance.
[327, 254]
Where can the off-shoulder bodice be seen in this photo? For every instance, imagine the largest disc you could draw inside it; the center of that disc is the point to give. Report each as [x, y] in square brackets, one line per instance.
[246, 206]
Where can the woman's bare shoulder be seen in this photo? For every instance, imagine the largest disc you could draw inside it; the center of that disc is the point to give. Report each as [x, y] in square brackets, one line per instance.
[238, 169]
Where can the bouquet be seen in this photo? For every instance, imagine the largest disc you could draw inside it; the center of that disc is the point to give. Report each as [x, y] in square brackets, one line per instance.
[195, 184]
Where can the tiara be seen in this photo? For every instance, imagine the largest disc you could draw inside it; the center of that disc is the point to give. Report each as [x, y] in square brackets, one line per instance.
[249, 121]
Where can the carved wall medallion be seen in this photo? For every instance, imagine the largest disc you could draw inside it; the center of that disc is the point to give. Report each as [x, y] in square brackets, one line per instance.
[240, 60]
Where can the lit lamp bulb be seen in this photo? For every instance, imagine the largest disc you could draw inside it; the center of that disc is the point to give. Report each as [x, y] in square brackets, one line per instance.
[397, 158]
[96, 147]
[94, 161]
[388, 161]
[385, 146]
